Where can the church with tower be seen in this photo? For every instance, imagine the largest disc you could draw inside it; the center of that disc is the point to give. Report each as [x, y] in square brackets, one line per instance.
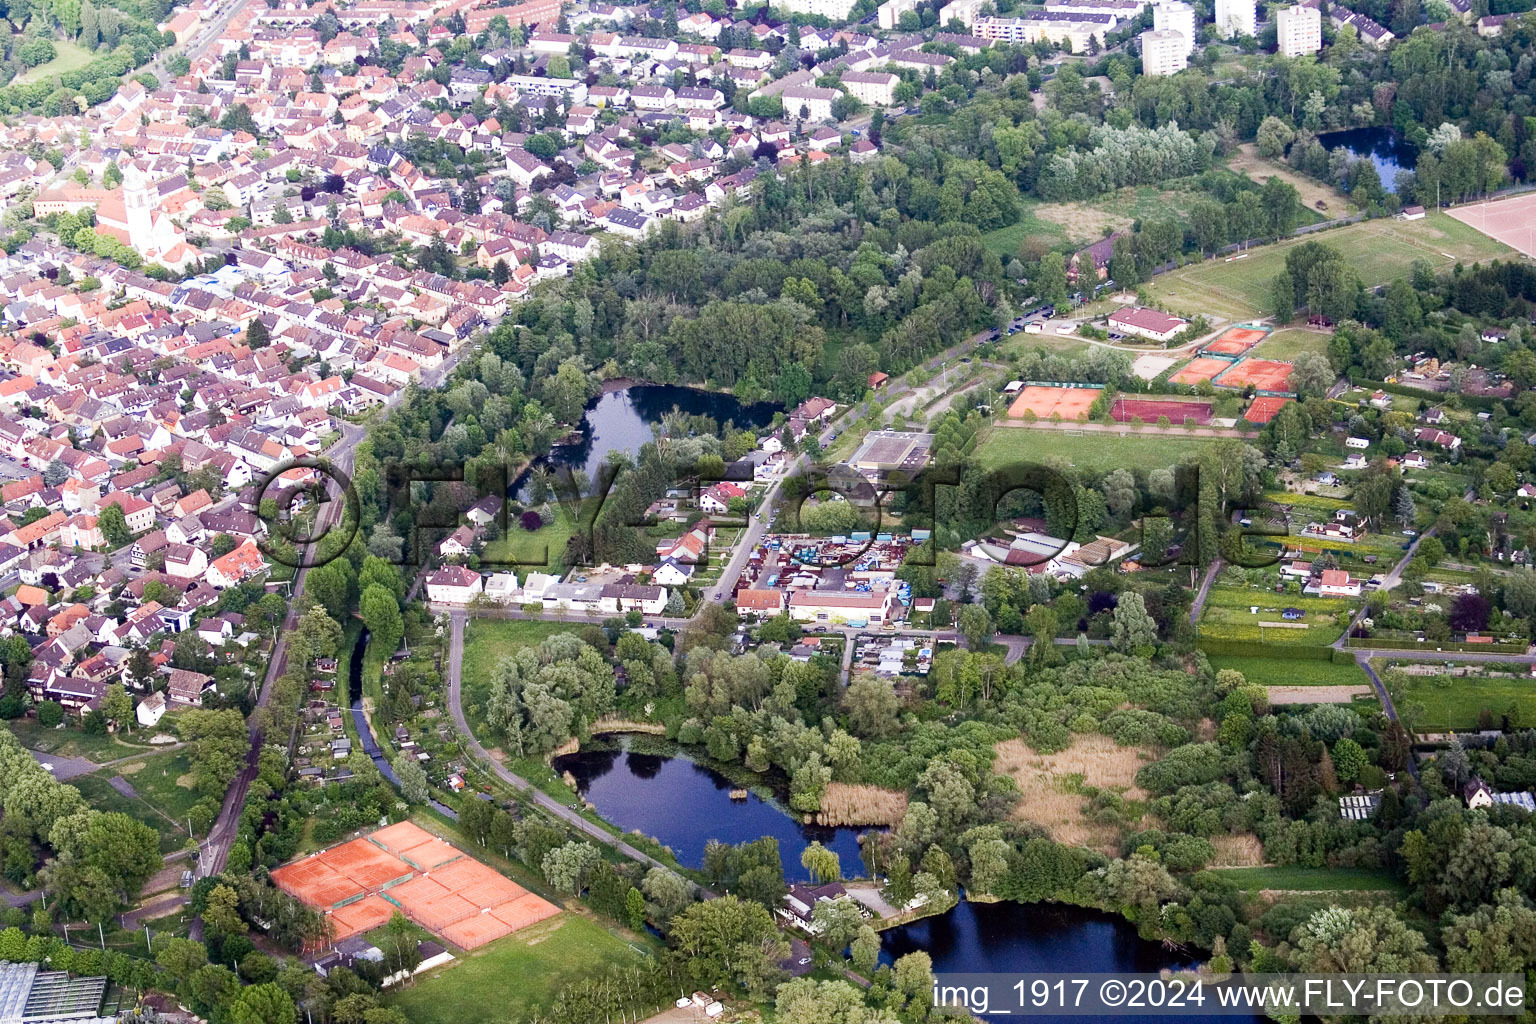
[132, 215]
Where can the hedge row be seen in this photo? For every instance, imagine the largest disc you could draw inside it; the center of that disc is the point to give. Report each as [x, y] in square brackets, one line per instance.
[1279, 652]
[1443, 645]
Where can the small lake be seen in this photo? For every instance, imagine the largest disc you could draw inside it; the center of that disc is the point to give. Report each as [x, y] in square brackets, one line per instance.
[621, 419]
[1029, 938]
[685, 805]
[1384, 147]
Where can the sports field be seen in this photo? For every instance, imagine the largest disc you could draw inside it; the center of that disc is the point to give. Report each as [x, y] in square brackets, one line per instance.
[1380, 250]
[507, 980]
[1045, 402]
[1236, 341]
[1264, 374]
[1148, 410]
[359, 884]
[1264, 408]
[1088, 450]
[1511, 221]
[1201, 368]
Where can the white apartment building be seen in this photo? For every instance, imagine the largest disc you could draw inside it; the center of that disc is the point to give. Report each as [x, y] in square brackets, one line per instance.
[963, 11]
[1298, 30]
[1236, 18]
[1176, 16]
[1163, 53]
[832, 10]
[888, 14]
[1120, 9]
[877, 88]
[1075, 30]
[815, 102]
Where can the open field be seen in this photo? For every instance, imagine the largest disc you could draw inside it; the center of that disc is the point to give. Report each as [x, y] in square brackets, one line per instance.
[98, 792]
[486, 640]
[1453, 702]
[1088, 451]
[515, 974]
[1289, 343]
[1281, 671]
[1228, 616]
[1299, 879]
[163, 781]
[1005, 242]
[1248, 161]
[1381, 250]
[1051, 784]
[67, 57]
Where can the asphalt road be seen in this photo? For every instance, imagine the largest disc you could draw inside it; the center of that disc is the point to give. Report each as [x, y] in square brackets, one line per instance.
[206, 36]
[526, 788]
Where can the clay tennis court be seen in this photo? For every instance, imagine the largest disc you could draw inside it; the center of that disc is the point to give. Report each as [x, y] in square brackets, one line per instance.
[1263, 374]
[360, 884]
[1046, 401]
[1236, 341]
[365, 915]
[1511, 221]
[1264, 409]
[415, 845]
[1149, 410]
[1201, 368]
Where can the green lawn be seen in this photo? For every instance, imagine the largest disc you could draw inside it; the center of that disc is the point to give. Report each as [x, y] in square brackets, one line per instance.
[164, 781]
[99, 793]
[1452, 702]
[67, 57]
[1380, 250]
[514, 975]
[486, 640]
[1281, 671]
[1005, 445]
[1299, 879]
[75, 742]
[1288, 344]
[1005, 242]
[542, 550]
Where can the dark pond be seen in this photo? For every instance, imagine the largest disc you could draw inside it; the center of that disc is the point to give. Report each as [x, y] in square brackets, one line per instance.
[1384, 147]
[1026, 938]
[685, 805]
[621, 420]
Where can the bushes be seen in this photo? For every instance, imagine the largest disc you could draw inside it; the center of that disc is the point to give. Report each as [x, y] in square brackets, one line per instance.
[1187, 766]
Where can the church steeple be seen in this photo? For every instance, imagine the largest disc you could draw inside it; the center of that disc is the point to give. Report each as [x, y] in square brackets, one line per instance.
[139, 202]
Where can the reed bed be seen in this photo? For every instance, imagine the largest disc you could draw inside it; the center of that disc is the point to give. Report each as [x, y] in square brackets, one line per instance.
[847, 804]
